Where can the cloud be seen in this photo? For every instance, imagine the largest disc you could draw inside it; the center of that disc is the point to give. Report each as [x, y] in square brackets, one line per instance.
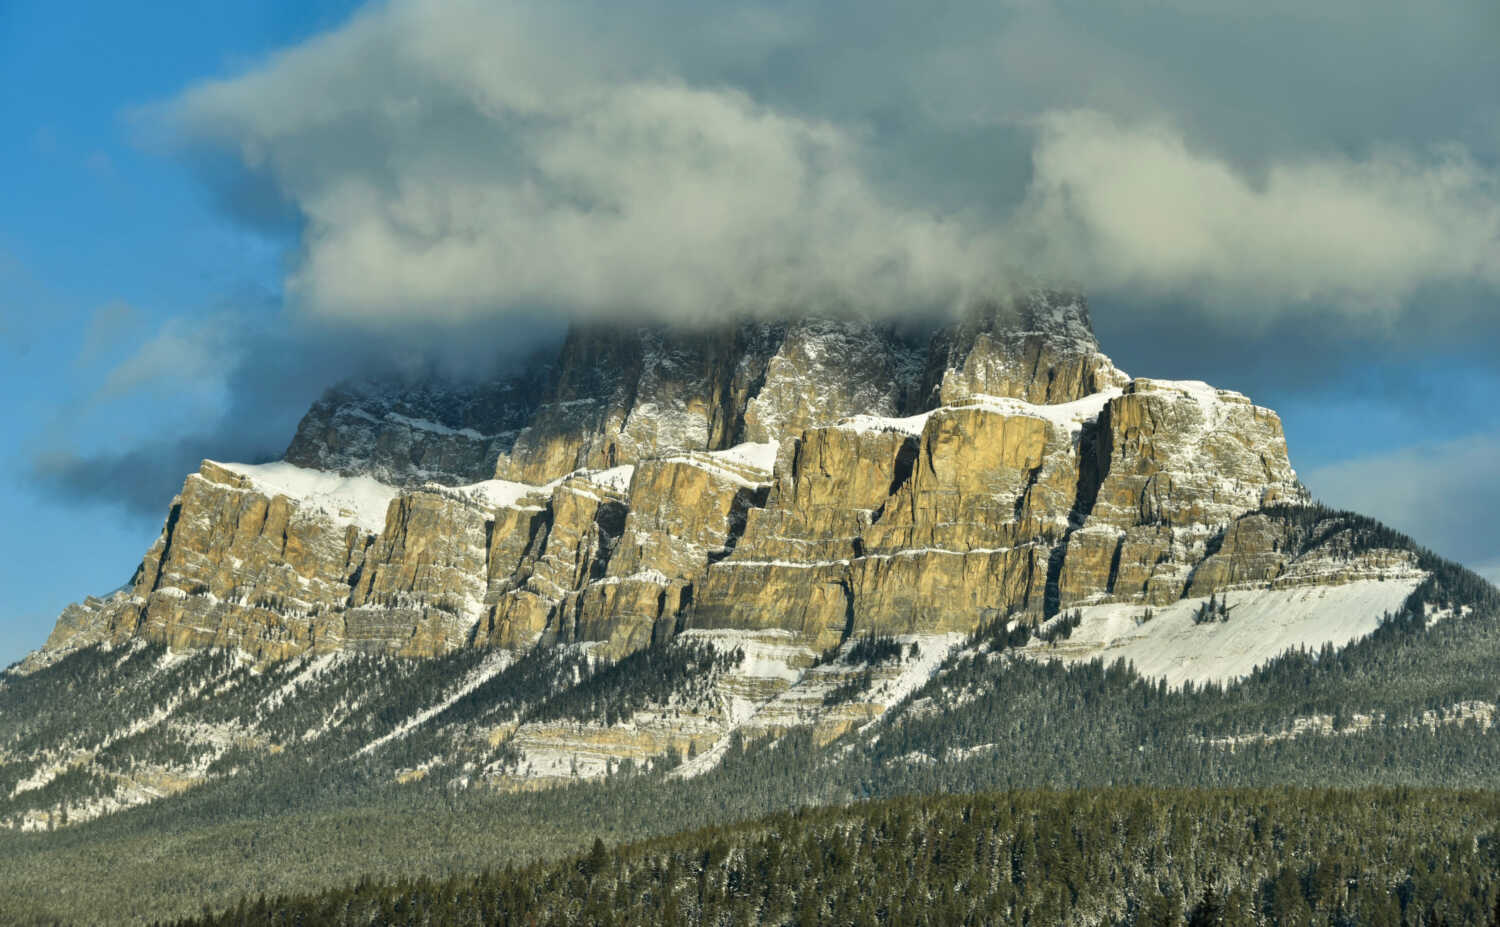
[456, 160]
[1136, 206]
[138, 479]
[1444, 495]
[109, 326]
[451, 175]
[186, 352]
[650, 200]
[232, 385]
[222, 385]
[449, 164]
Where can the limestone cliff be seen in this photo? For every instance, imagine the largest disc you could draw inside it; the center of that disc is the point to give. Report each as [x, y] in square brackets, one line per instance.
[626, 394]
[1041, 349]
[618, 394]
[815, 478]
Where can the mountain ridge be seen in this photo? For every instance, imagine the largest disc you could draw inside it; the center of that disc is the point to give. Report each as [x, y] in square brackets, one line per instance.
[1000, 483]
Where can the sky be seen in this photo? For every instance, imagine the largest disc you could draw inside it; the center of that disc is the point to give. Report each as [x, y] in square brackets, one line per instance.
[211, 213]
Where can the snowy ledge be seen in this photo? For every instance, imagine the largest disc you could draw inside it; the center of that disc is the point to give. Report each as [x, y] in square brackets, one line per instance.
[1069, 416]
[363, 500]
[353, 500]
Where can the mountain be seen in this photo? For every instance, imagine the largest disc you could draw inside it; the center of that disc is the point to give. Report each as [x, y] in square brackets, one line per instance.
[699, 575]
[772, 489]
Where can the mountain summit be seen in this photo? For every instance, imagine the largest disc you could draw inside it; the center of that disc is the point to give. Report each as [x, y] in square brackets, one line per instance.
[616, 394]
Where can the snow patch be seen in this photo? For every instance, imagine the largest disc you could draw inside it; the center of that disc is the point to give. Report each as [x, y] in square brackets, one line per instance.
[652, 576]
[615, 478]
[500, 494]
[933, 650]
[870, 424]
[756, 456]
[355, 500]
[422, 424]
[493, 663]
[749, 465]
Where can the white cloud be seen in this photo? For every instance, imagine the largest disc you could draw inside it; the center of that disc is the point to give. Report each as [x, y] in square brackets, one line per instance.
[1138, 206]
[645, 199]
[460, 159]
[449, 163]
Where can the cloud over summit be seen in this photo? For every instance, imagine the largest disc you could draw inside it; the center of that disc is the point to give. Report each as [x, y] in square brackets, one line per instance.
[459, 160]
[446, 161]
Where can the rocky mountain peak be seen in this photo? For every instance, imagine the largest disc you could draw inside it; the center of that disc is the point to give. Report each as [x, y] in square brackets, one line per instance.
[826, 476]
[615, 394]
[1038, 346]
[1059, 317]
[408, 433]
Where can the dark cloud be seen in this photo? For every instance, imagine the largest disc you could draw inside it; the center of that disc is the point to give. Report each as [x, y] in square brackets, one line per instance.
[269, 373]
[142, 478]
[1409, 360]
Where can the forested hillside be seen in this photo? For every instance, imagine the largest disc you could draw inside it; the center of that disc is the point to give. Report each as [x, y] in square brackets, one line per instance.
[1139, 857]
[1412, 705]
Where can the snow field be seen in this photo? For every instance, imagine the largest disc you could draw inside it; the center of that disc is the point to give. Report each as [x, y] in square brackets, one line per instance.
[1263, 623]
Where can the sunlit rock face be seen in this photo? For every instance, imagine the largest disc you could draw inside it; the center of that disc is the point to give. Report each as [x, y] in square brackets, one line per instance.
[816, 478]
[1041, 349]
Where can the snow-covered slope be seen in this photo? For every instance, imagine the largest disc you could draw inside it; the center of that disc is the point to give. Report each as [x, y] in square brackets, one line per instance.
[1261, 624]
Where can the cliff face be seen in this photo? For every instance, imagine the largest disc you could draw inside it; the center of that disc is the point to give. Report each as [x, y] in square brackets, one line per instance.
[1041, 349]
[408, 434]
[990, 507]
[817, 479]
[623, 395]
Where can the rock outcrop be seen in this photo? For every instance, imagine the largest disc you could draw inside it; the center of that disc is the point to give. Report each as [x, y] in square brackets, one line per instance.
[1041, 349]
[621, 395]
[408, 434]
[819, 479]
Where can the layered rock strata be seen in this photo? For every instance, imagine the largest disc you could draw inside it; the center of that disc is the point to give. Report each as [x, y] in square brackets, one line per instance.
[816, 479]
[621, 395]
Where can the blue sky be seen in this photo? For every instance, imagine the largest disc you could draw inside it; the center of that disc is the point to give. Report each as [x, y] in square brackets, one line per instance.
[213, 212]
[93, 220]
